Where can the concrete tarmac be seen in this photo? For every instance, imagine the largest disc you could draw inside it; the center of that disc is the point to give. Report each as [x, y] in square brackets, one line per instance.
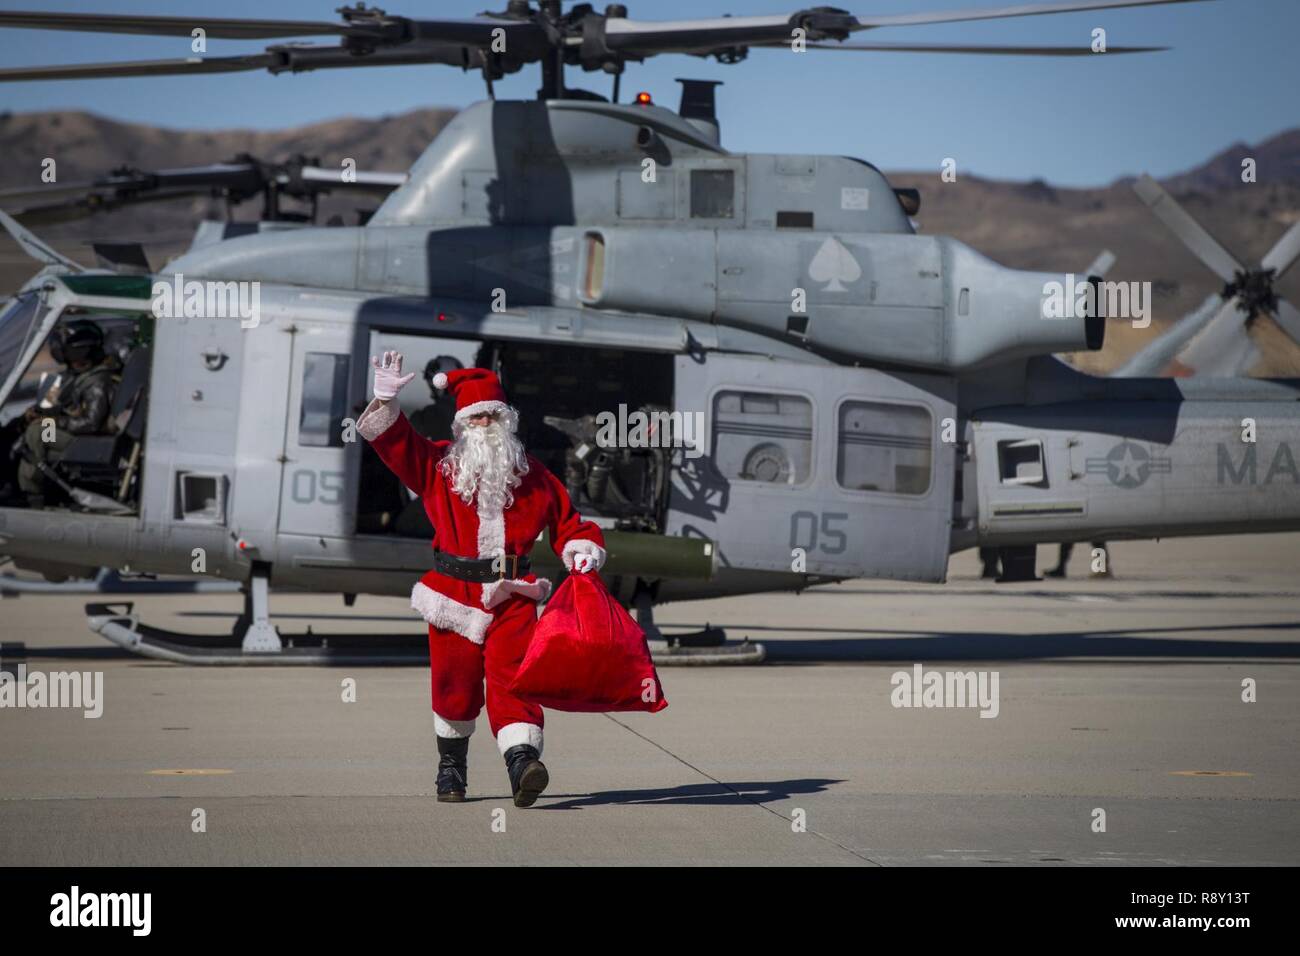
[1119, 701]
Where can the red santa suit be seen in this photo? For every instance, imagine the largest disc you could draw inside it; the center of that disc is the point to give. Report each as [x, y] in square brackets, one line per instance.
[479, 631]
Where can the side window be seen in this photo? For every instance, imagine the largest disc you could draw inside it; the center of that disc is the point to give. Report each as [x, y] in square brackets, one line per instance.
[761, 436]
[324, 400]
[881, 447]
[713, 194]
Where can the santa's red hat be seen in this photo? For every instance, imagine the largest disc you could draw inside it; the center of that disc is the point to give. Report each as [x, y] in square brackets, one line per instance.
[477, 391]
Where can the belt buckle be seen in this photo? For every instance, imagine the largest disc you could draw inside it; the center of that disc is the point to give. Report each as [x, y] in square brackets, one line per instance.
[514, 569]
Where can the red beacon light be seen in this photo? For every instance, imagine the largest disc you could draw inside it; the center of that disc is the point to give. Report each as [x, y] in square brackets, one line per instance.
[643, 99]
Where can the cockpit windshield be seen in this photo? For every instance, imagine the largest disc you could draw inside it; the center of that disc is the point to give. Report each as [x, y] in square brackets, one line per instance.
[18, 323]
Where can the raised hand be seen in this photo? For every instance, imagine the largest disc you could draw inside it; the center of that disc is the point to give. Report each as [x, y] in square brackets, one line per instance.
[389, 379]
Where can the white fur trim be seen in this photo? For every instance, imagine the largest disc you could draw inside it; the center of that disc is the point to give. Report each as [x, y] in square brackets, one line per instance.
[582, 546]
[512, 735]
[377, 419]
[440, 381]
[441, 611]
[452, 729]
[478, 408]
[491, 532]
[497, 591]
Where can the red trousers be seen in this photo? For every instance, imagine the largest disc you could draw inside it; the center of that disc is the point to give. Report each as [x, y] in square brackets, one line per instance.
[458, 666]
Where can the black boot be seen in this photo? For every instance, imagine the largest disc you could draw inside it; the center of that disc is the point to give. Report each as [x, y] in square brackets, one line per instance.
[528, 776]
[453, 774]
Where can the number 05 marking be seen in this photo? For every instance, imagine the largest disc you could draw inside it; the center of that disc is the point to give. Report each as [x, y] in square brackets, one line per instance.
[307, 487]
[821, 533]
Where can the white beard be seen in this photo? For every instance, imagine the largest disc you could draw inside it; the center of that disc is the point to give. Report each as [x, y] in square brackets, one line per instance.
[486, 463]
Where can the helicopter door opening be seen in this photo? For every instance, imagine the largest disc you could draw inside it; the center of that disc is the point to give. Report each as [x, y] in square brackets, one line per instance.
[73, 409]
[384, 506]
[821, 469]
[598, 419]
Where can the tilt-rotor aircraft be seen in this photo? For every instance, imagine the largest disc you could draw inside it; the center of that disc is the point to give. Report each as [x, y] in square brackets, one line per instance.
[829, 394]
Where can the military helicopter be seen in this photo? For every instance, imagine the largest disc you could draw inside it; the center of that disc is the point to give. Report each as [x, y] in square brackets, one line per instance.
[801, 388]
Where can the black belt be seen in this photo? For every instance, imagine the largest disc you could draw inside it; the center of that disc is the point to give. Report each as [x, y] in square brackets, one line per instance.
[480, 570]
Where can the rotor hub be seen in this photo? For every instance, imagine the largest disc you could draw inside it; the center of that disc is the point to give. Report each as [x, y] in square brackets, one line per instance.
[1253, 290]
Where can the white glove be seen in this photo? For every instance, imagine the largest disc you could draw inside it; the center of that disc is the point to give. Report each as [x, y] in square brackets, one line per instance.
[584, 563]
[389, 379]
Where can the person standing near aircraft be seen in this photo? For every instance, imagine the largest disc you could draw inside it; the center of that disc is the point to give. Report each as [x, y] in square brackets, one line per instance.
[488, 501]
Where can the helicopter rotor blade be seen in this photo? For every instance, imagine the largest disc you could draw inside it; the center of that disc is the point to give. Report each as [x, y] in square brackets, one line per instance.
[1217, 349]
[1284, 252]
[1287, 317]
[371, 25]
[236, 181]
[998, 13]
[216, 27]
[993, 50]
[173, 67]
[48, 190]
[361, 180]
[278, 59]
[222, 28]
[95, 204]
[1193, 235]
[640, 38]
[370, 37]
[1101, 265]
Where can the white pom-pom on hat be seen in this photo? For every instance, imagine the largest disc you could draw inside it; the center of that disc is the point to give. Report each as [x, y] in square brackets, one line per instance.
[440, 381]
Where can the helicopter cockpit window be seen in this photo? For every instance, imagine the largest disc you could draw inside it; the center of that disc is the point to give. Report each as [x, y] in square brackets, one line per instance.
[713, 194]
[324, 400]
[884, 447]
[17, 323]
[761, 436]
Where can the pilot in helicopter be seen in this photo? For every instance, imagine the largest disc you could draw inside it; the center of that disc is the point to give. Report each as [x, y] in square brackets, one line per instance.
[434, 420]
[488, 501]
[81, 407]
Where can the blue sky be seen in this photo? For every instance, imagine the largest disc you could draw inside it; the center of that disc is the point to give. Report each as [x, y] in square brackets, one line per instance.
[1233, 75]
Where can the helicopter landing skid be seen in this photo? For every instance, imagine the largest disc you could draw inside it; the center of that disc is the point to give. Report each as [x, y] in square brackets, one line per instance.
[706, 648]
[252, 643]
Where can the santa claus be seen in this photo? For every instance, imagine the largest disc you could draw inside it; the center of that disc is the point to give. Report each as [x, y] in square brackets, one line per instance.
[488, 501]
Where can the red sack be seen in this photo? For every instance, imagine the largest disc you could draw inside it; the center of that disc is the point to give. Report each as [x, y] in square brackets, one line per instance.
[588, 655]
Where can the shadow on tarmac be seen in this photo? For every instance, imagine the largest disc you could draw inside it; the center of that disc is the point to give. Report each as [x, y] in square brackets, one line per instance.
[696, 794]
